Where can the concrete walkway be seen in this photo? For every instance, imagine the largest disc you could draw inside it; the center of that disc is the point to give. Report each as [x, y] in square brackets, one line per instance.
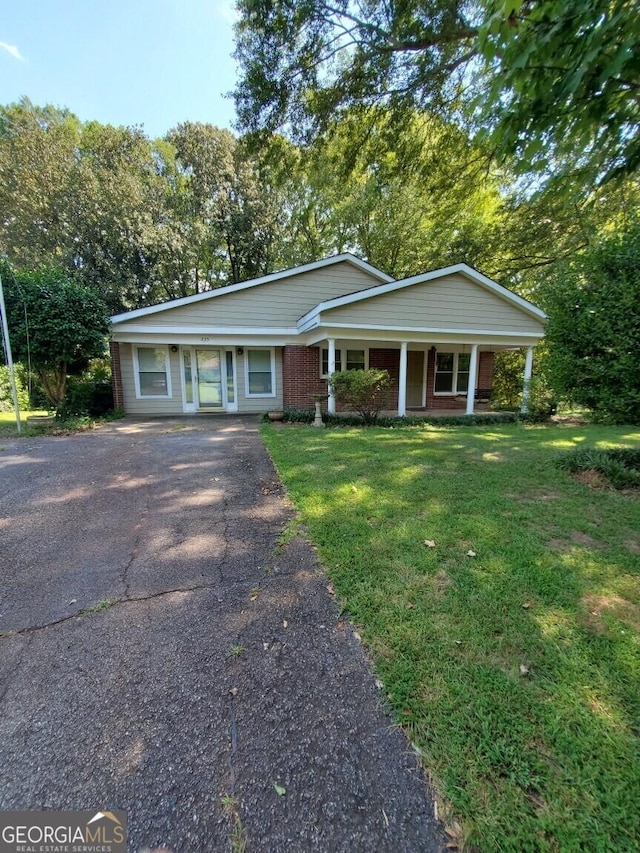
[160, 653]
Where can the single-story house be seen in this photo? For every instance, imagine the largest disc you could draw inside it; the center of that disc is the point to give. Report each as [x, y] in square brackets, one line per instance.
[271, 343]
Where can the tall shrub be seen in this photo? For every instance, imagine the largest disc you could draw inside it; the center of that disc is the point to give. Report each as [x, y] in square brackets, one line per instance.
[365, 391]
[593, 332]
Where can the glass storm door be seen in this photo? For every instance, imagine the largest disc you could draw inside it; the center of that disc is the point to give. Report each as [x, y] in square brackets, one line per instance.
[209, 378]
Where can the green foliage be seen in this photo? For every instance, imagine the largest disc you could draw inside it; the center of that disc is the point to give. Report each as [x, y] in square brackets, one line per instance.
[85, 396]
[594, 327]
[306, 416]
[562, 86]
[6, 397]
[366, 391]
[56, 325]
[553, 83]
[541, 402]
[620, 465]
[508, 378]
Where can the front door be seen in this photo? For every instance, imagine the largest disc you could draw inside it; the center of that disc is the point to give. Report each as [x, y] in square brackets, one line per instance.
[415, 379]
[209, 378]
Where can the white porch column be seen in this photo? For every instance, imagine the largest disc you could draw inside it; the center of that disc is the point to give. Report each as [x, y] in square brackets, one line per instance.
[331, 367]
[528, 370]
[473, 372]
[402, 381]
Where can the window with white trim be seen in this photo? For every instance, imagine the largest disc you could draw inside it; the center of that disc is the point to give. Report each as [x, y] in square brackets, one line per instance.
[355, 359]
[452, 373]
[260, 373]
[152, 371]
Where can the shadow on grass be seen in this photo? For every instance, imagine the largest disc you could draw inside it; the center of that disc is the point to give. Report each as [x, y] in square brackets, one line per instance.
[499, 600]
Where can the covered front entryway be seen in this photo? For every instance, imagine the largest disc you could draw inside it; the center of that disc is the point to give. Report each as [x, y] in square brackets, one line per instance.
[208, 379]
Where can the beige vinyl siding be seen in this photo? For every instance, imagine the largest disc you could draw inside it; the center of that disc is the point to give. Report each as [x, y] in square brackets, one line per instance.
[277, 304]
[452, 302]
[173, 405]
[145, 406]
[250, 405]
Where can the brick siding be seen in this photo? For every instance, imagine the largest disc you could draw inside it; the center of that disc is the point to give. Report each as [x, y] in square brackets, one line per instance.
[301, 377]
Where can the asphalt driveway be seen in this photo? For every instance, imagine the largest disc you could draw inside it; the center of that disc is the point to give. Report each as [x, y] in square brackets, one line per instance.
[164, 651]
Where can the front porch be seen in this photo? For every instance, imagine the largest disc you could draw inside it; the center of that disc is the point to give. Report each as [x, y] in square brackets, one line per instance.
[452, 377]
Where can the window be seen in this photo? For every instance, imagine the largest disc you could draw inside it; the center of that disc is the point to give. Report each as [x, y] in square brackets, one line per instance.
[260, 377]
[231, 390]
[452, 373]
[153, 372]
[355, 360]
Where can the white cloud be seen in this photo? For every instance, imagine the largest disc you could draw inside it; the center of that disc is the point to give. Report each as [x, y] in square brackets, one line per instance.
[13, 50]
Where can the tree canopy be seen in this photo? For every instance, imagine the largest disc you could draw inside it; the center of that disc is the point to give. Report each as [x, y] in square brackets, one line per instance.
[553, 84]
[56, 325]
[592, 336]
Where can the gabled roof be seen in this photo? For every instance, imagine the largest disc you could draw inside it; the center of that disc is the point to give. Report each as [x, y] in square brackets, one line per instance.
[346, 257]
[312, 317]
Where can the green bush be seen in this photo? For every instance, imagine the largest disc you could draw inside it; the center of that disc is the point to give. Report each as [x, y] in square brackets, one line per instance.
[86, 397]
[6, 397]
[593, 303]
[306, 416]
[366, 391]
[619, 465]
[542, 403]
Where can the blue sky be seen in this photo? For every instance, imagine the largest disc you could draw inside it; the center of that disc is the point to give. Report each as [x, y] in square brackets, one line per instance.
[146, 62]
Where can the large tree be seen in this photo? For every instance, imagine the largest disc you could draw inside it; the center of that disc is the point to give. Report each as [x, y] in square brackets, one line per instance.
[592, 336]
[554, 83]
[84, 197]
[231, 202]
[56, 325]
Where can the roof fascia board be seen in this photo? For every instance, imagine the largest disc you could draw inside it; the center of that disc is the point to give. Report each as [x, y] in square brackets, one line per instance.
[254, 282]
[421, 335]
[205, 331]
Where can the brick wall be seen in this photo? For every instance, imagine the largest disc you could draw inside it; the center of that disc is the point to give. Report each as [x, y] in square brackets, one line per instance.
[388, 359]
[116, 375]
[485, 370]
[301, 377]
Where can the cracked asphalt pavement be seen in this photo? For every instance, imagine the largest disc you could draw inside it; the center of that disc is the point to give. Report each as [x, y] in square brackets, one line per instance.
[162, 653]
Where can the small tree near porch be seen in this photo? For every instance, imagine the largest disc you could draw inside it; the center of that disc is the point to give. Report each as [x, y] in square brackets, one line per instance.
[365, 391]
[56, 325]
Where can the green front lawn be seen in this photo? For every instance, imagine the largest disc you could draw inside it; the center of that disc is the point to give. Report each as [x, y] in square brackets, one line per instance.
[500, 601]
[8, 426]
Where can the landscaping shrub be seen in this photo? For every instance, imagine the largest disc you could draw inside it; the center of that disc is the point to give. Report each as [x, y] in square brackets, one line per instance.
[86, 397]
[366, 391]
[620, 465]
[306, 416]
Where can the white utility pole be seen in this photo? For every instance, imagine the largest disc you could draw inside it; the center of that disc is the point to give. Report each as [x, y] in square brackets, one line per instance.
[7, 349]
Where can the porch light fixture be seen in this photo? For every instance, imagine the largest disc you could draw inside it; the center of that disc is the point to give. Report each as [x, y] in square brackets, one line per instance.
[174, 348]
[240, 350]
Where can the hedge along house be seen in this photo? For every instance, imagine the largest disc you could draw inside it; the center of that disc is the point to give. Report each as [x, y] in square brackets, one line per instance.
[271, 343]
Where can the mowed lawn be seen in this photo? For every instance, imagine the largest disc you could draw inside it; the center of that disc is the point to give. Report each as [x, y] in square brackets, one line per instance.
[500, 601]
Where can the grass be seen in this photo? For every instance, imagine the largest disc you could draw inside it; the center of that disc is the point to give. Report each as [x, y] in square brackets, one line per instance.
[61, 427]
[500, 601]
[99, 607]
[619, 467]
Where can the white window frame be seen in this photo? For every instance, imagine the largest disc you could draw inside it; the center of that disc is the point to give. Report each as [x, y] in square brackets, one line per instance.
[136, 372]
[343, 363]
[272, 356]
[454, 378]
